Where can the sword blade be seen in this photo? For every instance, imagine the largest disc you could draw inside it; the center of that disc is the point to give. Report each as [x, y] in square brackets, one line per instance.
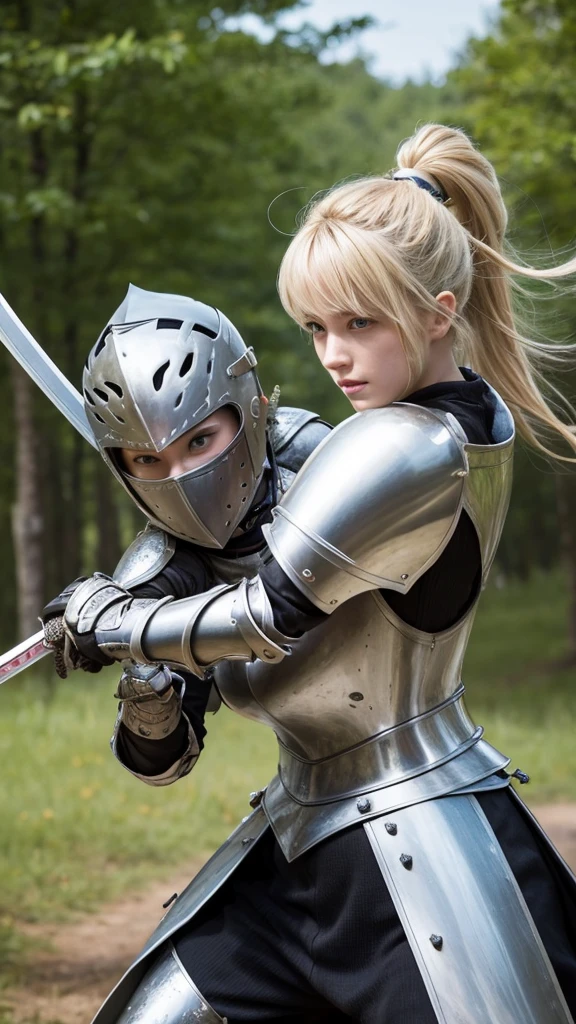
[38, 365]
[22, 656]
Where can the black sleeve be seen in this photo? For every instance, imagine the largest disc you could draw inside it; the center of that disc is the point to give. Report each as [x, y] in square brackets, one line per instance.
[293, 613]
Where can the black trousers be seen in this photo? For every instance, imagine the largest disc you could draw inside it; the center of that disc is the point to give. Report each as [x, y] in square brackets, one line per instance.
[319, 940]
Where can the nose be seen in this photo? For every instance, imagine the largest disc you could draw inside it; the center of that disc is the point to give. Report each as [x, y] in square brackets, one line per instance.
[335, 355]
[176, 468]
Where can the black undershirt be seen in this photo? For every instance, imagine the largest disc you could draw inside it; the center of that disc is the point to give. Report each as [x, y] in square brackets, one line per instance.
[435, 602]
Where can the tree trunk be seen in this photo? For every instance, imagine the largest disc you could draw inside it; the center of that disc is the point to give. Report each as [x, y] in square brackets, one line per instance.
[27, 514]
[566, 503]
[108, 545]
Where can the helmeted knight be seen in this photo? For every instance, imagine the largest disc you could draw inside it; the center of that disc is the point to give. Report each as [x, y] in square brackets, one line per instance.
[369, 712]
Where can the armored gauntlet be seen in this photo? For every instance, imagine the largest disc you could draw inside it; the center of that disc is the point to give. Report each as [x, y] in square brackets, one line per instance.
[227, 622]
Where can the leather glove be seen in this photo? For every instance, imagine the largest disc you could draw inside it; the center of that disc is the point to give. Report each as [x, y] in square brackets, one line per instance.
[67, 658]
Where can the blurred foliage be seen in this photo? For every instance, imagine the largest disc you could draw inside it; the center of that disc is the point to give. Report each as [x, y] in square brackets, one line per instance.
[145, 142]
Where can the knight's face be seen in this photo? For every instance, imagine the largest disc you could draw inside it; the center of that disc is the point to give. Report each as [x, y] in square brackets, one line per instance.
[191, 450]
[365, 358]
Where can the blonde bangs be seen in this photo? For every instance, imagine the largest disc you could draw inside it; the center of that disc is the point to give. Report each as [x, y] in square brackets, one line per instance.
[331, 268]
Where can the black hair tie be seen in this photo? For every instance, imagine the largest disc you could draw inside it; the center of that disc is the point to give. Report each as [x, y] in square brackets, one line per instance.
[437, 193]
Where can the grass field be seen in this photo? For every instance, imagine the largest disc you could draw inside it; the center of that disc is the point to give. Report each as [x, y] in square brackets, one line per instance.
[78, 829]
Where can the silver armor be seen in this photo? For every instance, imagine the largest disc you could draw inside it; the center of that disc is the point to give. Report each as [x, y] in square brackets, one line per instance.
[368, 711]
[149, 379]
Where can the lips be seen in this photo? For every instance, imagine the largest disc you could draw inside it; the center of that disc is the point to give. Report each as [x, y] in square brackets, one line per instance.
[351, 387]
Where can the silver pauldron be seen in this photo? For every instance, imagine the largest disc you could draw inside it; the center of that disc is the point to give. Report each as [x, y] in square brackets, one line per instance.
[227, 622]
[374, 505]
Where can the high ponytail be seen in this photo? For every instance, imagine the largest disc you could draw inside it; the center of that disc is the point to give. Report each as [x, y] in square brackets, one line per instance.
[389, 247]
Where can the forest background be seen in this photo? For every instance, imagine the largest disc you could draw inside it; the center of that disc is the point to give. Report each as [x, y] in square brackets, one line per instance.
[144, 142]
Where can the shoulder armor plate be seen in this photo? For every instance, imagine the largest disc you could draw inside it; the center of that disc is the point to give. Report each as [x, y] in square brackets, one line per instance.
[376, 504]
[287, 423]
[147, 555]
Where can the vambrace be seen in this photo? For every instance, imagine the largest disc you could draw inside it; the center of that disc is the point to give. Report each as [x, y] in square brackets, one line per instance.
[227, 622]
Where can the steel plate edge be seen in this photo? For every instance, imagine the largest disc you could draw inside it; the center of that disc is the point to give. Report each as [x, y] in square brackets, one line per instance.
[201, 888]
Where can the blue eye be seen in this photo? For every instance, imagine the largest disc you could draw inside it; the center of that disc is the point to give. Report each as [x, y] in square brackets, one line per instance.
[314, 327]
[360, 322]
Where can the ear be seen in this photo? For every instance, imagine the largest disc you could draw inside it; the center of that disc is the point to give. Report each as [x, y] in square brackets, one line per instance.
[442, 322]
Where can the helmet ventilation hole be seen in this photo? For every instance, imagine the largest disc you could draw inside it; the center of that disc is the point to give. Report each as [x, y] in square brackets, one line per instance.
[228, 506]
[186, 364]
[242, 464]
[101, 394]
[243, 500]
[100, 344]
[158, 378]
[99, 418]
[117, 417]
[166, 323]
[88, 397]
[178, 400]
[209, 366]
[114, 387]
[244, 485]
[204, 330]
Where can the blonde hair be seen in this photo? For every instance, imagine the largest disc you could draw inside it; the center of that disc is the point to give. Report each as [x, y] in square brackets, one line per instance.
[379, 246]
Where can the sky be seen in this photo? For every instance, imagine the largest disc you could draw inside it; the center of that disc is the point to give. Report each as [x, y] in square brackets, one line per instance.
[413, 37]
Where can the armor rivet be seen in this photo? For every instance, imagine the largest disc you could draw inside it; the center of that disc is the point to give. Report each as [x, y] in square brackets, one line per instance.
[364, 805]
[246, 840]
[308, 574]
[267, 653]
[256, 798]
[404, 576]
[391, 828]
[461, 472]
[356, 696]
[406, 861]
[437, 941]
[232, 622]
[255, 407]
[254, 426]
[334, 601]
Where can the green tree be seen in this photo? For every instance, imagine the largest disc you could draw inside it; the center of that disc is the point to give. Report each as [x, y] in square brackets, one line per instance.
[518, 90]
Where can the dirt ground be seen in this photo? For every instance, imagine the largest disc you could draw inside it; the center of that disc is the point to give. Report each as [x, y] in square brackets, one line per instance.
[84, 959]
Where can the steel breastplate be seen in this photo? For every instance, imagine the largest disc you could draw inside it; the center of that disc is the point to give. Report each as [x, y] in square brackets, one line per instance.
[368, 711]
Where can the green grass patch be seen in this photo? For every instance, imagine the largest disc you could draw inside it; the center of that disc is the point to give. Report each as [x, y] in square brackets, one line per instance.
[515, 689]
